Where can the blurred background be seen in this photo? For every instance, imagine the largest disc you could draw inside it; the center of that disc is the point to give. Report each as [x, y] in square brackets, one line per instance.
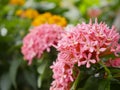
[18, 16]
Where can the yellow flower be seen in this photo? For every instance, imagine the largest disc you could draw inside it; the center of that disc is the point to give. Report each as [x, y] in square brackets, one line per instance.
[41, 19]
[46, 15]
[50, 19]
[55, 19]
[17, 2]
[31, 13]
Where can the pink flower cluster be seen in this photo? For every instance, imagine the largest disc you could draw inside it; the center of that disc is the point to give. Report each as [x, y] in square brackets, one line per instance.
[114, 63]
[62, 75]
[39, 39]
[83, 44]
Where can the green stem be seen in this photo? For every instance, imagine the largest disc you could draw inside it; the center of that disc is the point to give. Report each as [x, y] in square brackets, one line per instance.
[116, 75]
[76, 82]
[106, 69]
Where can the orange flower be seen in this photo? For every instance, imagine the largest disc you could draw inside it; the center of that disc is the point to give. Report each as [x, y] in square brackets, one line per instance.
[55, 19]
[29, 13]
[50, 19]
[17, 2]
[46, 15]
[41, 19]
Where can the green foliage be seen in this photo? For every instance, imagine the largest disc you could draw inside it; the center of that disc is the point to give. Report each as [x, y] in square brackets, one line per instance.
[13, 71]
[5, 83]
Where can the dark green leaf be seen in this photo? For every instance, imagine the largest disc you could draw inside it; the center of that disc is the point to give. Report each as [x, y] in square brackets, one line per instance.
[5, 82]
[91, 83]
[104, 85]
[30, 78]
[13, 71]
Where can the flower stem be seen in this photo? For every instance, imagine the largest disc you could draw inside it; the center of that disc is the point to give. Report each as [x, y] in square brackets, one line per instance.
[106, 69]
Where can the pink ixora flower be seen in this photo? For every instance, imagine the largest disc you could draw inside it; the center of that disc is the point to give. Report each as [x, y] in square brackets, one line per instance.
[39, 39]
[83, 44]
[94, 12]
[113, 63]
[62, 75]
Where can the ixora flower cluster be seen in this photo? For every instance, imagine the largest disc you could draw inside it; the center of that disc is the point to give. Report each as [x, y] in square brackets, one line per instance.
[80, 45]
[39, 39]
[83, 44]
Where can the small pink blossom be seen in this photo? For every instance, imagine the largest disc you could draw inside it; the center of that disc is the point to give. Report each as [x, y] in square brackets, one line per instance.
[94, 12]
[113, 63]
[62, 73]
[39, 39]
[88, 60]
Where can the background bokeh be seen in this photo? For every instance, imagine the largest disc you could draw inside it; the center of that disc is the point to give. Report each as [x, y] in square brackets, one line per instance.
[17, 17]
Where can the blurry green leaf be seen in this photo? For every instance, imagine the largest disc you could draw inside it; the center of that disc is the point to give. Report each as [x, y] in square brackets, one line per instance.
[31, 78]
[80, 89]
[39, 81]
[5, 82]
[13, 71]
[42, 67]
[92, 2]
[114, 70]
[117, 75]
[86, 4]
[115, 81]
[83, 8]
[91, 83]
[53, 1]
[104, 85]
[41, 70]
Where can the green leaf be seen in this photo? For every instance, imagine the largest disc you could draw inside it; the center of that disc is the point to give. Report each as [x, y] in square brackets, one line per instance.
[104, 85]
[82, 8]
[31, 78]
[114, 70]
[92, 2]
[5, 82]
[13, 71]
[41, 70]
[80, 89]
[39, 81]
[91, 83]
[42, 67]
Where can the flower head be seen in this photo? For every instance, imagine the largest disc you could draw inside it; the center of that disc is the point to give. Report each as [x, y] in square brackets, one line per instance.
[28, 13]
[31, 13]
[50, 19]
[113, 63]
[89, 41]
[39, 39]
[17, 2]
[94, 12]
[58, 20]
[83, 44]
